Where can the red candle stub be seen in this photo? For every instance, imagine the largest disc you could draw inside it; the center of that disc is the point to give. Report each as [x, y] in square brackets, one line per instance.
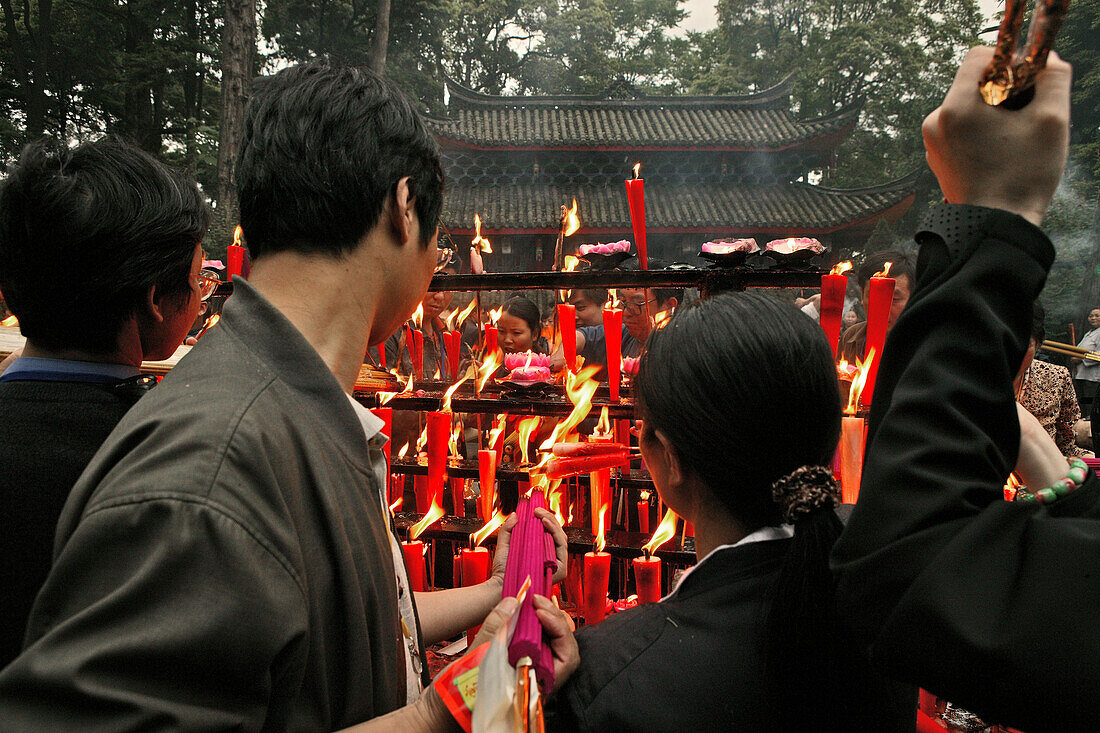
[414, 562]
[647, 577]
[597, 572]
[643, 516]
[613, 339]
[635, 199]
[567, 324]
[880, 297]
[474, 570]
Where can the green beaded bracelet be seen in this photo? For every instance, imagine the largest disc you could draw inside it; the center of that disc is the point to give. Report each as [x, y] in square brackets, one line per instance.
[1078, 470]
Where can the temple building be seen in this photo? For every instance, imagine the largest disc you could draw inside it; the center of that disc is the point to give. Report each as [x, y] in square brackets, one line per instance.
[714, 167]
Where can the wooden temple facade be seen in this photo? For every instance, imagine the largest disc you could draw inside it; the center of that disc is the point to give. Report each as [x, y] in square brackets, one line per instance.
[714, 167]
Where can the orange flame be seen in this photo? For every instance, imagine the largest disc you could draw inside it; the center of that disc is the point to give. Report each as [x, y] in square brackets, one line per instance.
[418, 316]
[487, 369]
[660, 318]
[453, 441]
[637, 170]
[495, 314]
[840, 268]
[480, 241]
[446, 405]
[457, 318]
[1012, 486]
[397, 504]
[603, 427]
[580, 388]
[524, 429]
[210, 323]
[571, 222]
[384, 397]
[601, 541]
[422, 440]
[863, 368]
[666, 530]
[569, 265]
[238, 234]
[10, 322]
[498, 428]
[435, 511]
[404, 449]
[885, 270]
[491, 526]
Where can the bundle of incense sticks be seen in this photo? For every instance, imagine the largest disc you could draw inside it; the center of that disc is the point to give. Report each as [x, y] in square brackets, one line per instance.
[1070, 350]
[531, 554]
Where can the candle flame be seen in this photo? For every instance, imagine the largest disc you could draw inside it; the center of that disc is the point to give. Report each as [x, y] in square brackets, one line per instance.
[210, 323]
[557, 498]
[498, 429]
[885, 270]
[637, 170]
[491, 526]
[660, 318]
[446, 405]
[384, 397]
[10, 322]
[603, 427]
[1012, 486]
[396, 505]
[643, 495]
[863, 369]
[571, 223]
[487, 369]
[238, 234]
[495, 314]
[841, 267]
[569, 265]
[418, 316]
[457, 318]
[601, 541]
[404, 449]
[453, 441]
[422, 440]
[666, 530]
[580, 389]
[435, 511]
[478, 240]
[524, 429]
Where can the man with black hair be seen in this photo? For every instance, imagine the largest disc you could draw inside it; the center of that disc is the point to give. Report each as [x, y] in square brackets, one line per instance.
[854, 338]
[227, 559]
[99, 260]
[589, 305]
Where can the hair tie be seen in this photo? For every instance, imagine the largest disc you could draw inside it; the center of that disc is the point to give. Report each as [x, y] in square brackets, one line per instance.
[804, 491]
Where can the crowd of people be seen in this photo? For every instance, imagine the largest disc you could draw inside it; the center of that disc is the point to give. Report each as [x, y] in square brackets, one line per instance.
[216, 552]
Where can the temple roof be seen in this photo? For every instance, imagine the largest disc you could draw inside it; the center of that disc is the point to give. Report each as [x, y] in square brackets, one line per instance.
[792, 209]
[761, 121]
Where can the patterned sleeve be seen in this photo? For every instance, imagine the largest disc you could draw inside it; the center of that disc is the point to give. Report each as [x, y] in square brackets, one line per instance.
[1068, 415]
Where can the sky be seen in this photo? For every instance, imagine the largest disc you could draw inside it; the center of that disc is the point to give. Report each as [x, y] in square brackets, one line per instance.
[702, 16]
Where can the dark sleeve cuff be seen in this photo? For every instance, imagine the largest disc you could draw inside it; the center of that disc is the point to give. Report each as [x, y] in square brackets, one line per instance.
[961, 227]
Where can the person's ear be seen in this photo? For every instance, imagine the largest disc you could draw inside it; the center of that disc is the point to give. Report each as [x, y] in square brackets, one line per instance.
[676, 472]
[671, 304]
[403, 211]
[153, 307]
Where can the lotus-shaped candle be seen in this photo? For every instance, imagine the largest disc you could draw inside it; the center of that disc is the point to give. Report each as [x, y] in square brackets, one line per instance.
[630, 365]
[791, 245]
[527, 367]
[604, 249]
[738, 245]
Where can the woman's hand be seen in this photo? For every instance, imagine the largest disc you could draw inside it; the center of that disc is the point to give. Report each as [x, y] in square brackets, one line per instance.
[1040, 463]
[563, 645]
[504, 540]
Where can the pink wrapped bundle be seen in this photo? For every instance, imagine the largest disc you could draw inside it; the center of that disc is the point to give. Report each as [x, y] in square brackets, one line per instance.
[738, 245]
[791, 245]
[604, 249]
[531, 555]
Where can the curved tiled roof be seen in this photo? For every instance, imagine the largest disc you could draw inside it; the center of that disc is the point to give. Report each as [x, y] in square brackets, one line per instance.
[796, 207]
[760, 121]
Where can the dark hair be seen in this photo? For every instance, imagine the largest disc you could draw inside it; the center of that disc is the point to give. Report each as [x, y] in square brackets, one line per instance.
[661, 294]
[526, 310]
[85, 232]
[598, 296]
[1038, 323]
[900, 264]
[323, 150]
[745, 389]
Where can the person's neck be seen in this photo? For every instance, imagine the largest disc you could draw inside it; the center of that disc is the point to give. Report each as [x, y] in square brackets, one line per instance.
[127, 353]
[332, 302]
[714, 527]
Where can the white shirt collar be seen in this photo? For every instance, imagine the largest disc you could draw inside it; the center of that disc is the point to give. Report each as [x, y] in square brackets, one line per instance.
[372, 424]
[764, 534]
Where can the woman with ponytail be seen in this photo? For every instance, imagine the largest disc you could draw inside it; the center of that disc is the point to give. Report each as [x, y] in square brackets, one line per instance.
[740, 412]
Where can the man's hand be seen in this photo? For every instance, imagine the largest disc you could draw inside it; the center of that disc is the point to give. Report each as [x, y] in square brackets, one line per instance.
[1003, 159]
[550, 522]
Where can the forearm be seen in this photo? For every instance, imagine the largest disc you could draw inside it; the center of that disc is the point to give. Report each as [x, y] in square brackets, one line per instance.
[447, 613]
[426, 715]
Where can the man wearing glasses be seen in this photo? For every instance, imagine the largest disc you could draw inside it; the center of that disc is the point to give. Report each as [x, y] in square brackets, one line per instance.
[100, 251]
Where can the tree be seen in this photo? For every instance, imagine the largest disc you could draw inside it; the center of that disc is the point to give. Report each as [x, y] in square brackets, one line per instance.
[238, 60]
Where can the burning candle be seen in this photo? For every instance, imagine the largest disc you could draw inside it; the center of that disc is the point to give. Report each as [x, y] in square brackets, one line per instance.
[487, 472]
[490, 338]
[880, 296]
[414, 562]
[452, 342]
[613, 338]
[418, 353]
[852, 434]
[597, 572]
[234, 255]
[647, 569]
[567, 322]
[474, 570]
[831, 309]
[635, 198]
[439, 433]
[643, 514]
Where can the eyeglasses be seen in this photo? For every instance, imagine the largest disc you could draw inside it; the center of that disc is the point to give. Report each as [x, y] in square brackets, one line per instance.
[635, 308]
[207, 282]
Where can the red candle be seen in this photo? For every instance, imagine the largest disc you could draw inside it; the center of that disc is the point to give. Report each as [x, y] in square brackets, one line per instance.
[458, 496]
[418, 353]
[831, 309]
[452, 342]
[613, 335]
[420, 489]
[635, 198]
[880, 296]
[597, 571]
[475, 570]
[456, 570]
[567, 324]
[414, 562]
[382, 355]
[647, 576]
[643, 516]
[487, 472]
[490, 339]
[439, 433]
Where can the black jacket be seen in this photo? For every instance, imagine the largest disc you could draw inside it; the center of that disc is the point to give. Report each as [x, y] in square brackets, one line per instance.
[695, 661]
[990, 604]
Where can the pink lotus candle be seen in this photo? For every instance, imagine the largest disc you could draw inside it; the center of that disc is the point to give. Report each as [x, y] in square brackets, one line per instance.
[567, 323]
[635, 198]
[831, 309]
[487, 473]
[880, 297]
[613, 338]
